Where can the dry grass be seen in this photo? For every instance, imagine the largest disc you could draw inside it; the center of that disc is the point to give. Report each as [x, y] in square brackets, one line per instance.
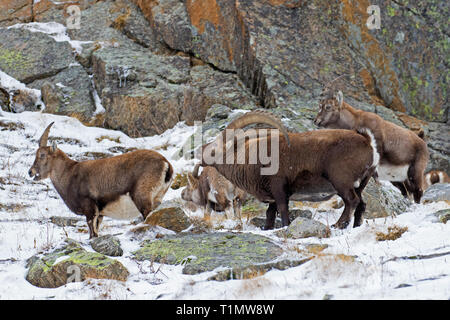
[179, 181]
[113, 139]
[393, 233]
[11, 126]
[253, 285]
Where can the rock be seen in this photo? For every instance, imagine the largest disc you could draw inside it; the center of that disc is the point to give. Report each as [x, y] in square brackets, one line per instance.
[280, 61]
[293, 214]
[15, 11]
[107, 245]
[65, 221]
[69, 263]
[443, 215]
[172, 218]
[305, 228]
[217, 111]
[250, 272]
[438, 146]
[383, 201]
[206, 252]
[146, 94]
[42, 56]
[68, 93]
[437, 192]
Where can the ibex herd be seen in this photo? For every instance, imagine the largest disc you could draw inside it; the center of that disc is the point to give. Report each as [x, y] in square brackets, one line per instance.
[312, 166]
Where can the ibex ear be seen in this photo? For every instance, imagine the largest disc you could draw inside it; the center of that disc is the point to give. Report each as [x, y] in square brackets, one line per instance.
[191, 180]
[54, 147]
[340, 98]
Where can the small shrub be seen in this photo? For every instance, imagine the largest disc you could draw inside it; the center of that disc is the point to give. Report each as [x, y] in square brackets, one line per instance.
[393, 233]
[179, 181]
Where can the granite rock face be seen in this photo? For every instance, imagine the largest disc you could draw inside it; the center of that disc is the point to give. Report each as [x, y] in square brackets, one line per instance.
[154, 63]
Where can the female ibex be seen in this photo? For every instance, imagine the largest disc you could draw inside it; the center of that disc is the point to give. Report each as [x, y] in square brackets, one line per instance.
[311, 166]
[404, 154]
[120, 187]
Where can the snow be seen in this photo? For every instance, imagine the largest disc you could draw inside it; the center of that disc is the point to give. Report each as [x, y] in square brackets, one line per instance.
[353, 266]
[55, 30]
[11, 84]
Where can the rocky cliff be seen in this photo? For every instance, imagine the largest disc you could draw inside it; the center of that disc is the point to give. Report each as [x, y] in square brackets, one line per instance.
[152, 63]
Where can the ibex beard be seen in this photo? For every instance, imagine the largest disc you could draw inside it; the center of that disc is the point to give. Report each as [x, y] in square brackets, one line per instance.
[120, 187]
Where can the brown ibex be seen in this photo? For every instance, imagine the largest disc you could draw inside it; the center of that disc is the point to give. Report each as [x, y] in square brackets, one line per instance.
[120, 187]
[435, 176]
[311, 165]
[404, 154]
[213, 191]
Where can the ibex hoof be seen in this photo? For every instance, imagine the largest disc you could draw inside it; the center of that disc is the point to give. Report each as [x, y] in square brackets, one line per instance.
[340, 225]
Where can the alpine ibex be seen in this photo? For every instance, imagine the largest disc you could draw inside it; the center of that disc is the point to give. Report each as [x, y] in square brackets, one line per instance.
[311, 165]
[213, 191]
[120, 187]
[404, 154]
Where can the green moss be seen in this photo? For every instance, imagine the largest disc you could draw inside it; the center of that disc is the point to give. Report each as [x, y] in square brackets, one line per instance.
[13, 60]
[390, 11]
[210, 251]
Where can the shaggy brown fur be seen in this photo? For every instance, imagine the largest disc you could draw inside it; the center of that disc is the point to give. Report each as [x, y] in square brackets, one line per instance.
[88, 187]
[318, 164]
[398, 147]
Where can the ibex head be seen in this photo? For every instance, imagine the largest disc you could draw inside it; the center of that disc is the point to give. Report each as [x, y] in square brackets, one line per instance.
[192, 192]
[330, 106]
[42, 165]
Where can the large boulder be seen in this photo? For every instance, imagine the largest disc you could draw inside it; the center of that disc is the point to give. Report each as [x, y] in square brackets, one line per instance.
[171, 217]
[69, 263]
[69, 92]
[206, 252]
[383, 200]
[41, 57]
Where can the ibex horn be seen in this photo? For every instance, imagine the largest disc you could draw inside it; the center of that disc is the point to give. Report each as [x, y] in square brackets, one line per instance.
[44, 137]
[259, 116]
[195, 172]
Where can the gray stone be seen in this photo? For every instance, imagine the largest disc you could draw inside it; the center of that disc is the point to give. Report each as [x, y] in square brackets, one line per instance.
[65, 221]
[68, 93]
[443, 215]
[305, 228]
[437, 192]
[42, 56]
[293, 214]
[205, 252]
[107, 245]
[70, 263]
[383, 201]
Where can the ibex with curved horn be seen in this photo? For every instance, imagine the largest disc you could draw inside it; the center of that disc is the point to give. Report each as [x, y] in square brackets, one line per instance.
[311, 166]
[120, 187]
[404, 154]
[213, 191]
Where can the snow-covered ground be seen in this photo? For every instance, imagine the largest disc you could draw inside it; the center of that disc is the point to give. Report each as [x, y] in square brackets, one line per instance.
[353, 266]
